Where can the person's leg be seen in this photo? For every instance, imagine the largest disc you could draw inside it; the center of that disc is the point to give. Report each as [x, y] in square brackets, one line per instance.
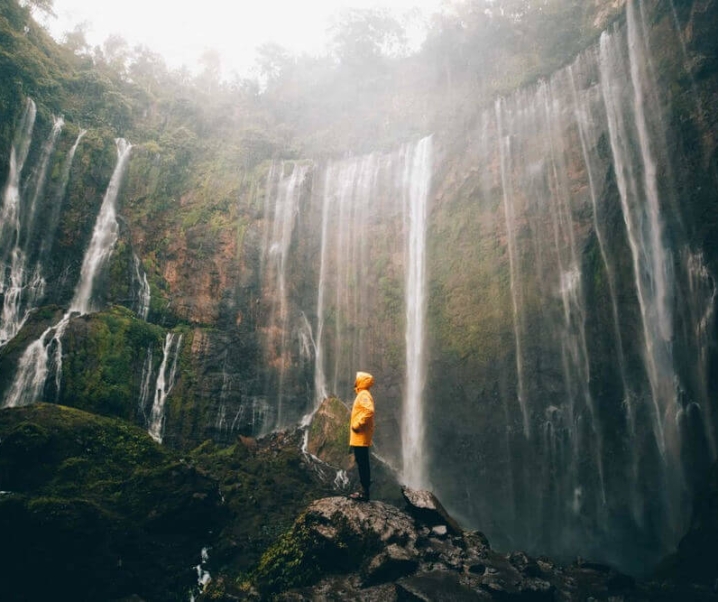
[361, 455]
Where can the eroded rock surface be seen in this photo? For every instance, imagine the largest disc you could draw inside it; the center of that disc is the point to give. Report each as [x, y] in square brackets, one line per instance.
[340, 549]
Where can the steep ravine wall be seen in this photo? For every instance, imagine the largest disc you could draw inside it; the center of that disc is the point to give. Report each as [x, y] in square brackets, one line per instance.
[560, 414]
[572, 298]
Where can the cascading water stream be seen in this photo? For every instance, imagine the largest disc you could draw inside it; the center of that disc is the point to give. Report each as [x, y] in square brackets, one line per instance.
[373, 211]
[35, 363]
[275, 257]
[609, 305]
[576, 366]
[10, 212]
[165, 381]
[104, 236]
[582, 108]
[145, 383]
[320, 379]
[640, 205]
[25, 285]
[54, 212]
[417, 185]
[504, 143]
[143, 289]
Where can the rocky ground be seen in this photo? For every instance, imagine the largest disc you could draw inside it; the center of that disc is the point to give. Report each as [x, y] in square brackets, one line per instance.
[340, 549]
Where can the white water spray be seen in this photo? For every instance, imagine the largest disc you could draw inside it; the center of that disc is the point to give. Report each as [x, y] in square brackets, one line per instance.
[34, 365]
[417, 184]
[166, 378]
[143, 289]
[25, 286]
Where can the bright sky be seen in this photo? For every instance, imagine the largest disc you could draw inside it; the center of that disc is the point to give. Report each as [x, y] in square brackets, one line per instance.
[181, 30]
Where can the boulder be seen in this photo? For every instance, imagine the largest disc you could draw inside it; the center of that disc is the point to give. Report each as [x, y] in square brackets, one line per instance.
[328, 436]
[338, 535]
[425, 507]
[391, 564]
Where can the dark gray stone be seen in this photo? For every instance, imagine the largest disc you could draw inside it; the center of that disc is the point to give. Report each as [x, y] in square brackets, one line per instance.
[427, 509]
[394, 562]
[436, 585]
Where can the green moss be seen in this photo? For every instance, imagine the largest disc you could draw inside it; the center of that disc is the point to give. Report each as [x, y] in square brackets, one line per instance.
[102, 505]
[301, 555]
[293, 561]
[104, 354]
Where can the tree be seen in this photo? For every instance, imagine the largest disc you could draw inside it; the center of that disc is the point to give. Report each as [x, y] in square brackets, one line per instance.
[76, 40]
[147, 69]
[210, 76]
[364, 36]
[115, 53]
[44, 6]
[271, 62]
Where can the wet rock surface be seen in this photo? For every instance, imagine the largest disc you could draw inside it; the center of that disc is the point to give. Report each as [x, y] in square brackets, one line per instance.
[374, 551]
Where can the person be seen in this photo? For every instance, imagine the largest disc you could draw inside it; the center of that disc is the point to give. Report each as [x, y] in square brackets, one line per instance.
[362, 431]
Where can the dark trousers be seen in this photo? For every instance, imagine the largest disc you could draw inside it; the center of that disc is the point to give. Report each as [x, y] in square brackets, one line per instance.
[361, 455]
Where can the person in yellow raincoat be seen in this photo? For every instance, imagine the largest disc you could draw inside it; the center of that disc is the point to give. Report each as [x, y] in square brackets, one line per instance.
[362, 431]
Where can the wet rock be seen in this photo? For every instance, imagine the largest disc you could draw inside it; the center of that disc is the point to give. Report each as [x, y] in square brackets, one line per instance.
[340, 549]
[391, 564]
[436, 585]
[328, 436]
[339, 535]
[427, 509]
[524, 564]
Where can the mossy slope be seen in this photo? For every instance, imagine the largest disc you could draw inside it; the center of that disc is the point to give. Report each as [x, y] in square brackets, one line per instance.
[97, 508]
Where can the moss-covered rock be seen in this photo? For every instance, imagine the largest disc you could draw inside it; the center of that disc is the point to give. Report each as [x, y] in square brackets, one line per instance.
[98, 508]
[333, 535]
[328, 437]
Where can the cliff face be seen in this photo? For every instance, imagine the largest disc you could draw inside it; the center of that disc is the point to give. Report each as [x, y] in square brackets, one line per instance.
[534, 293]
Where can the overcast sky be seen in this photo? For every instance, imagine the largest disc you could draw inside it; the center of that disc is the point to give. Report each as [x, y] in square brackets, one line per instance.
[181, 30]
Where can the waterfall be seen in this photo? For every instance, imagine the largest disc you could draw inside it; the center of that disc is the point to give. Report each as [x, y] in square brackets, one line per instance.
[104, 236]
[504, 142]
[589, 134]
[320, 379]
[222, 421]
[371, 211]
[352, 197]
[416, 185]
[145, 383]
[642, 219]
[143, 288]
[36, 362]
[166, 376]
[636, 174]
[26, 286]
[285, 190]
[59, 196]
[607, 417]
[10, 211]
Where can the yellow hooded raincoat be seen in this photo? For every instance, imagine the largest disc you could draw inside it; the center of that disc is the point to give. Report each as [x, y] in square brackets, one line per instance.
[362, 420]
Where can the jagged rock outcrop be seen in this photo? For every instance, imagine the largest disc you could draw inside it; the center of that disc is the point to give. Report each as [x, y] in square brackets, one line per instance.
[427, 509]
[339, 549]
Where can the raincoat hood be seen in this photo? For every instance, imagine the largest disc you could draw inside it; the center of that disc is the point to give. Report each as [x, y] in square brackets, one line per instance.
[364, 380]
